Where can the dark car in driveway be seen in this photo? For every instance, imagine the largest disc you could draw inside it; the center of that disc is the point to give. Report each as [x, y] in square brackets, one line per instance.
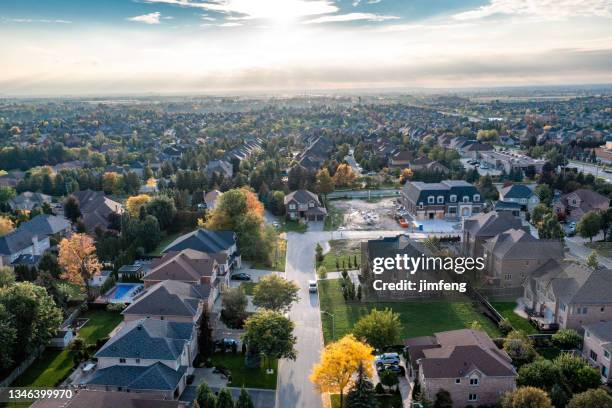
[241, 276]
[394, 368]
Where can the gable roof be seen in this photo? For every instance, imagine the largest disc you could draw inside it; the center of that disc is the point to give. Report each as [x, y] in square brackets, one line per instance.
[418, 191]
[187, 265]
[519, 244]
[157, 376]
[28, 201]
[46, 224]
[16, 241]
[302, 197]
[203, 240]
[95, 207]
[491, 223]
[168, 298]
[104, 399]
[516, 191]
[149, 339]
[589, 199]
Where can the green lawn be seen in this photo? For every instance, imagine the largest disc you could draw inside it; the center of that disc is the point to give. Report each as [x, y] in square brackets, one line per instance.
[341, 250]
[167, 240]
[248, 287]
[246, 377]
[293, 226]
[602, 248]
[55, 365]
[549, 353]
[419, 317]
[335, 217]
[506, 309]
[279, 259]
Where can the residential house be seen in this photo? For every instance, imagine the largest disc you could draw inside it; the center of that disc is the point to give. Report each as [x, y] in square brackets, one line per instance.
[507, 161]
[478, 228]
[604, 152]
[425, 164]
[303, 204]
[474, 150]
[96, 208]
[211, 198]
[189, 266]
[569, 295]
[514, 254]
[132, 272]
[22, 246]
[82, 398]
[597, 347]
[169, 300]
[27, 201]
[579, 202]
[449, 199]
[465, 362]
[221, 168]
[315, 154]
[221, 243]
[401, 159]
[520, 194]
[49, 225]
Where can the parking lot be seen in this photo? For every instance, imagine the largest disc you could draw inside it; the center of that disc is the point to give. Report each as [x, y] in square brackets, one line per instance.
[368, 215]
[483, 170]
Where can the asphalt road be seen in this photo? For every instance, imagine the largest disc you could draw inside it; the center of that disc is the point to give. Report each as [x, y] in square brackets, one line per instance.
[590, 169]
[294, 389]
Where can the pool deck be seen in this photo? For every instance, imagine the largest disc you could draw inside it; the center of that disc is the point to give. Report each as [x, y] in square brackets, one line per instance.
[108, 297]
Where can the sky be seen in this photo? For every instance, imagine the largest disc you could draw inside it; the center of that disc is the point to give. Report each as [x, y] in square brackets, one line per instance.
[70, 47]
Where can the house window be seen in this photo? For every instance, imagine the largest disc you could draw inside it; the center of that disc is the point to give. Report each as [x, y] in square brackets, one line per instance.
[593, 355]
[466, 199]
[562, 307]
[292, 206]
[472, 397]
[122, 360]
[508, 276]
[137, 360]
[474, 381]
[607, 354]
[602, 309]
[457, 380]
[440, 199]
[311, 204]
[476, 197]
[452, 210]
[421, 205]
[453, 198]
[430, 199]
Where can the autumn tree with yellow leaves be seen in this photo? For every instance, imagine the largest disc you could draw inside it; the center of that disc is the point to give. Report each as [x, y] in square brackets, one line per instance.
[344, 175]
[339, 361]
[6, 226]
[77, 257]
[134, 203]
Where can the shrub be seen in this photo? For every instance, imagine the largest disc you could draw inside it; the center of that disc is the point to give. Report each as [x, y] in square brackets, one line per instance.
[115, 307]
[567, 339]
[505, 327]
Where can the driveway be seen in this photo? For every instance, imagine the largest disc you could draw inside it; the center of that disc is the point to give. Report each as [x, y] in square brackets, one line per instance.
[294, 388]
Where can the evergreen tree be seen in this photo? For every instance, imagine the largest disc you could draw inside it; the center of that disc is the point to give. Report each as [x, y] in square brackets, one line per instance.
[224, 399]
[244, 400]
[205, 397]
[361, 394]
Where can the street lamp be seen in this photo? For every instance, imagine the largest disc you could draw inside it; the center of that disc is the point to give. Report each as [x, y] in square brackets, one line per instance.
[333, 328]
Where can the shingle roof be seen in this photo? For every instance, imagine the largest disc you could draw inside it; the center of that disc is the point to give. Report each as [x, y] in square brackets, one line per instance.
[491, 223]
[154, 377]
[204, 241]
[187, 265]
[601, 330]
[168, 298]
[516, 191]
[302, 197]
[105, 399]
[418, 191]
[28, 201]
[16, 241]
[519, 244]
[46, 224]
[96, 207]
[150, 339]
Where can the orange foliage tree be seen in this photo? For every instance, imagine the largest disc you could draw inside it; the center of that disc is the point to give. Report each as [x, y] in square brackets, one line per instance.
[77, 257]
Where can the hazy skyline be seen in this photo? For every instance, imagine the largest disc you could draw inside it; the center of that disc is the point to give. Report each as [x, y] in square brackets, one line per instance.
[172, 46]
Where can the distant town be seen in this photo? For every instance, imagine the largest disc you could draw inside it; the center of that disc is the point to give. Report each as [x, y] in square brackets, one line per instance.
[224, 251]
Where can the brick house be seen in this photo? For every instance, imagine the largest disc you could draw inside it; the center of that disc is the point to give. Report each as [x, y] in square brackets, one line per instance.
[579, 202]
[479, 228]
[597, 347]
[303, 204]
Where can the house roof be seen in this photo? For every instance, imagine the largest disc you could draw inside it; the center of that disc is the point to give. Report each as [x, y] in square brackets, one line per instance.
[168, 298]
[491, 223]
[157, 377]
[204, 241]
[516, 191]
[457, 353]
[104, 399]
[589, 199]
[220, 166]
[302, 197]
[16, 241]
[418, 191]
[187, 265]
[46, 224]
[95, 208]
[28, 201]
[601, 330]
[149, 339]
[519, 244]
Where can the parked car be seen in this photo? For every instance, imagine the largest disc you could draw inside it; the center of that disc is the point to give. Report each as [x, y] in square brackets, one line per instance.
[387, 358]
[241, 276]
[226, 343]
[312, 286]
[394, 368]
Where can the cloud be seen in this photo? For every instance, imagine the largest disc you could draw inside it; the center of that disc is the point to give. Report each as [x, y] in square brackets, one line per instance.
[250, 9]
[350, 17]
[206, 17]
[358, 2]
[540, 9]
[229, 25]
[35, 21]
[151, 18]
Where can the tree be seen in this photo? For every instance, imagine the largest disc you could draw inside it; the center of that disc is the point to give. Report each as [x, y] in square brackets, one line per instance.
[224, 399]
[276, 202]
[388, 378]
[577, 373]
[526, 397]
[443, 399]
[135, 203]
[162, 207]
[550, 228]
[7, 277]
[589, 225]
[244, 400]
[205, 397]
[325, 183]
[233, 303]
[519, 348]
[406, 175]
[319, 252]
[484, 135]
[77, 256]
[72, 210]
[591, 398]
[344, 175]
[6, 225]
[379, 328]
[361, 394]
[592, 261]
[538, 213]
[271, 334]
[275, 293]
[541, 374]
[8, 336]
[339, 361]
[567, 339]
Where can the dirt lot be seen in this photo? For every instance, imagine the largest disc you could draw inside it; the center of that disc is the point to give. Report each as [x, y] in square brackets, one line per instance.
[368, 215]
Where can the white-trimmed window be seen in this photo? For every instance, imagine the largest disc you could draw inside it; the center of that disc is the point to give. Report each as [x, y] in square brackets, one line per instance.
[474, 381]
[440, 199]
[430, 199]
[457, 380]
[453, 198]
[607, 354]
[466, 199]
[421, 205]
[122, 360]
[292, 206]
[472, 397]
[476, 197]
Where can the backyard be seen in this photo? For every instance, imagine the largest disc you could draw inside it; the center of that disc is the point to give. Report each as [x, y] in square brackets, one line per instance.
[54, 366]
[506, 309]
[419, 317]
[246, 377]
[167, 240]
[342, 253]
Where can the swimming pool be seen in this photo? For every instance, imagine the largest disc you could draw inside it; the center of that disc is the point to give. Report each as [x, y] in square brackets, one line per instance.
[123, 292]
